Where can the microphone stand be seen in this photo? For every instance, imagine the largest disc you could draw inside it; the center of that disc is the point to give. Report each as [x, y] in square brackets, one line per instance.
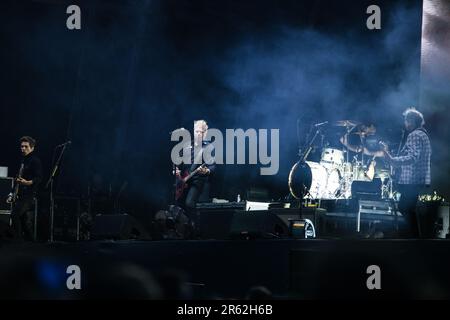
[50, 183]
[117, 200]
[391, 167]
[299, 146]
[303, 157]
[362, 138]
[391, 182]
[309, 147]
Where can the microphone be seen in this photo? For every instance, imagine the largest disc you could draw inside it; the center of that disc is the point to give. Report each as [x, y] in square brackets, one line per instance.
[64, 144]
[320, 124]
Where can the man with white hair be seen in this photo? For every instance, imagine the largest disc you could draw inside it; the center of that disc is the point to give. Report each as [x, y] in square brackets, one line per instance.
[198, 186]
[414, 165]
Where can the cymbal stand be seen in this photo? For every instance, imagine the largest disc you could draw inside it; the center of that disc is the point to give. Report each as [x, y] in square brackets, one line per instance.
[361, 138]
[347, 132]
[347, 173]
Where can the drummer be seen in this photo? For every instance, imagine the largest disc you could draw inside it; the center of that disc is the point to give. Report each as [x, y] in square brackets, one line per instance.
[368, 143]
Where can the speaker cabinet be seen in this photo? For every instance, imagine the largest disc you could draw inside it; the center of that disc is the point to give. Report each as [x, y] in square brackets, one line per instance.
[258, 224]
[6, 231]
[6, 185]
[214, 224]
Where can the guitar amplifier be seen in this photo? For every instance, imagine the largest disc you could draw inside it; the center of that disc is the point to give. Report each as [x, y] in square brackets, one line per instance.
[214, 219]
[6, 185]
[213, 206]
[242, 205]
[367, 190]
[5, 217]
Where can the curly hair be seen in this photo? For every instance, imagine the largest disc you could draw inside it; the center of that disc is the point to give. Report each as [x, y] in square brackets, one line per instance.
[411, 114]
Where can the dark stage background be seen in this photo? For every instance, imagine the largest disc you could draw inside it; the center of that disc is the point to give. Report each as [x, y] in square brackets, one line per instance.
[139, 69]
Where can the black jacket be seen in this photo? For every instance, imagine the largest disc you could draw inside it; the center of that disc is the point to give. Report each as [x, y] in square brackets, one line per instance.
[32, 170]
[210, 164]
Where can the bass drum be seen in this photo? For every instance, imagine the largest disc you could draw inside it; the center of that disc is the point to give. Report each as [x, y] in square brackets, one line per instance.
[334, 185]
[313, 181]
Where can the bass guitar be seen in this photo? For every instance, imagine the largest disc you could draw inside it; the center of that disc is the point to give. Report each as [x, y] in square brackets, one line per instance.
[182, 181]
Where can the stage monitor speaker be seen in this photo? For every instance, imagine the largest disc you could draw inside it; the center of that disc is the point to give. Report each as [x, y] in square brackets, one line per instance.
[313, 214]
[258, 224]
[214, 223]
[230, 223]
[117, 227]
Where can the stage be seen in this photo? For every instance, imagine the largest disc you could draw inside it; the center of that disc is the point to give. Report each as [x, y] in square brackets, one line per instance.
[228, 269]
[182, 149]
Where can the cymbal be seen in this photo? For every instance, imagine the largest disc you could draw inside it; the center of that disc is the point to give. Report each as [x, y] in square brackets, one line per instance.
[346, 123]
[365, 131]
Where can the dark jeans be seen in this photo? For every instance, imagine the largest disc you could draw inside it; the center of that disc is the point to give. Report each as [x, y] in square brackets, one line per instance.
[21, 222]
[407, 206]
[198, 192]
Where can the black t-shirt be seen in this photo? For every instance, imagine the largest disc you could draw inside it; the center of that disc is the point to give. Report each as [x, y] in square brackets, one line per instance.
[32, 170]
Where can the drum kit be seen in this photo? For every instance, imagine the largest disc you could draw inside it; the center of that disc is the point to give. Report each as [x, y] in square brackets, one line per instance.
[332, 176]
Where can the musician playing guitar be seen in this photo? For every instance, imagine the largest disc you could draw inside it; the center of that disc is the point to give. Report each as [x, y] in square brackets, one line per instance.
[414, 166]
[199, 172]
[25, 188]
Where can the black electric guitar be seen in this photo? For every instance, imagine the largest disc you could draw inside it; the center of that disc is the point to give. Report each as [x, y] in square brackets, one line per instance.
[182, 181]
